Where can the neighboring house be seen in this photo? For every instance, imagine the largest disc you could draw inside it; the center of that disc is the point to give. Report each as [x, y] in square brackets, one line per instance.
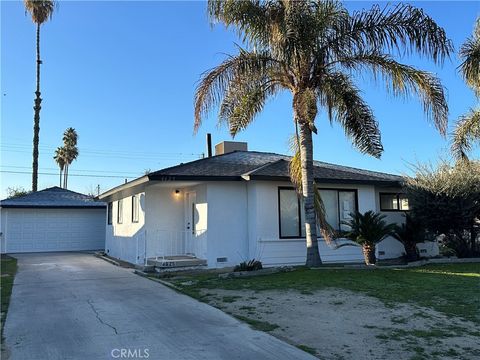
[53, 219]
[241, 205]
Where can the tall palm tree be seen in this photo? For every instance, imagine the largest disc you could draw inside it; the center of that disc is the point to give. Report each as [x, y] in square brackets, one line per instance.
[41, 11]
[70, 138]
[467, 130]
[60, 159]
[311, 49]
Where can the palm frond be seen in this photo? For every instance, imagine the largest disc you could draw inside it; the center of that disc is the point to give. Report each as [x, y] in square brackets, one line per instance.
[346, 106]
[402, 80]
[295, 170]
[402, 28]
[40, 10]
[470, 55]
[467, 132]
[244, 99]
[215, 83]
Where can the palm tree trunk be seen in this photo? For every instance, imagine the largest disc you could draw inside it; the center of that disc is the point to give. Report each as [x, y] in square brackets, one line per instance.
[306, 155]
[65, 176]
[60, 177]
[36, 118]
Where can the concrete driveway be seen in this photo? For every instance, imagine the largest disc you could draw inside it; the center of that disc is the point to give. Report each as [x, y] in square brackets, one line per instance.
[76, 306]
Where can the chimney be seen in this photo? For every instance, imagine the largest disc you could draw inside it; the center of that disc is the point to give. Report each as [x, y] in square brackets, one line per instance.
[226, 147]
[209, 145]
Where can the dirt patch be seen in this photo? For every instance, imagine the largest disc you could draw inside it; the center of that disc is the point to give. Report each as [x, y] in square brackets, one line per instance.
[340, 324]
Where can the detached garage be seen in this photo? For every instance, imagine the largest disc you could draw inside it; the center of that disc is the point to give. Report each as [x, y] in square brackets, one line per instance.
[53, 219]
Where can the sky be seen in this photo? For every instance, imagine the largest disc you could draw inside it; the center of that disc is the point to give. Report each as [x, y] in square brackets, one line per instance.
[123, 74]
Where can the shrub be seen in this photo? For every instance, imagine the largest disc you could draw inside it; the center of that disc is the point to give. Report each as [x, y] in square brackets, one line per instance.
[367, 230]
[446, 200]
[251, 265]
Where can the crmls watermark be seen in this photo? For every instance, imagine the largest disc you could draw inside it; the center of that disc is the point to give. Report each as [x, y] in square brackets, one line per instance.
[130, 353]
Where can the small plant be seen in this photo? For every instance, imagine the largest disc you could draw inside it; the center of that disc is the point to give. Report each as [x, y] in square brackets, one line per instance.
[251, 265]
[367, 230]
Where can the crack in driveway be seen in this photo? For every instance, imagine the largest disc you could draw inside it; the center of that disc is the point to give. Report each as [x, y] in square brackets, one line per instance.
[100, 319]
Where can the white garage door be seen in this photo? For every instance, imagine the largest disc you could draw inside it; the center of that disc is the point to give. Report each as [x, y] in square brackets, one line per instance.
[36, 230]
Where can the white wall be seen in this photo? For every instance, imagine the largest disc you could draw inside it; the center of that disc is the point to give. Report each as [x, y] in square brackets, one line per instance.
[265, 243]
[227, 232]
[43, 229]
[125, 241]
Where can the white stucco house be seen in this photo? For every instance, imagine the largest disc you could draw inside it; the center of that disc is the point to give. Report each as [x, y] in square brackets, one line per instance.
[239, 205]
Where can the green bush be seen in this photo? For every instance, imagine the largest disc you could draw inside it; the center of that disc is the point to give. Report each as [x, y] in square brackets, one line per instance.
[446, 200]
[251, 265]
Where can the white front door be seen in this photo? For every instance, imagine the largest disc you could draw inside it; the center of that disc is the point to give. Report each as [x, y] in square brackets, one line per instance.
[191, 217]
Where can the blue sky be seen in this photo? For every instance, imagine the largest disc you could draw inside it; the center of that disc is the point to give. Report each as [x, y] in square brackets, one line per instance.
[123, 74]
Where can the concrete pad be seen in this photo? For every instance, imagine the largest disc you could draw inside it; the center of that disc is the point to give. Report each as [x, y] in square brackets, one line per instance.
[77, 306]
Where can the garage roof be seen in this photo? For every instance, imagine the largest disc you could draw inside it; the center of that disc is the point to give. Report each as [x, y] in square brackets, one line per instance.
[54, 197]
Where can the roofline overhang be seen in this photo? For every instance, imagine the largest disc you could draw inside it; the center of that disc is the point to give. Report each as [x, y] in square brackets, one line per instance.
[327, 181]
[95, 207]
[167, 178]
[140, 181]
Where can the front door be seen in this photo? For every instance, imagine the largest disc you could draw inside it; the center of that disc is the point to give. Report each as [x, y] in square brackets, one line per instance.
[191, 217]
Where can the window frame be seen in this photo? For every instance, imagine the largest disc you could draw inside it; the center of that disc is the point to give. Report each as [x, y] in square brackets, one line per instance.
[397, 195]
[110, 213]
[120, 211]
[355, 191]
[135, 201]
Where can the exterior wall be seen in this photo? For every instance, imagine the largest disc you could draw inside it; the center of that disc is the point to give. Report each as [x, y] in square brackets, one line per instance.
[264, 234]
[126, 241]
[390, 248]
[37, 230]
[227, 223]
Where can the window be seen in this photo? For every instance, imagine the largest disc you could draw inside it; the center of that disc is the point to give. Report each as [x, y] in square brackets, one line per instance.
[109, 213]
[338, 206]
[135, 205]
[393, 202]
[120, 211]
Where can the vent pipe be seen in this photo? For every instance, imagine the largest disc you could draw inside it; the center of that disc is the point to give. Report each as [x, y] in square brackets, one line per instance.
[209, 145]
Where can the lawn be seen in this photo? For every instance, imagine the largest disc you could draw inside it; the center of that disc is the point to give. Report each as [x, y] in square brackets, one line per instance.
[452, 289]
[8, 270]
[430, 312]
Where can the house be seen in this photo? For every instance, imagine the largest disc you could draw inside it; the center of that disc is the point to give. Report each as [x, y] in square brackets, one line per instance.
[240, 205]
[53, 219]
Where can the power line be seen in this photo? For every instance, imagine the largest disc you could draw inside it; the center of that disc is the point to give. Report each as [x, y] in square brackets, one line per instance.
[82, 175]
[134, 173]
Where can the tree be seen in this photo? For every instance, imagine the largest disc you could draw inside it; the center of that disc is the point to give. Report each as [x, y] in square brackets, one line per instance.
[410, 233]
[446, 200]
[60, 159]
[468, 126]
[367, 230]
[16, 191]
[70, 138]
[41, 11]
[311, 49]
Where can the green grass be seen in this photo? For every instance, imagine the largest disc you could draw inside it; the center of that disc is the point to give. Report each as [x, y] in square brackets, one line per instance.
[257, 324]
[451, 289]
[307, 349]
[8, 270]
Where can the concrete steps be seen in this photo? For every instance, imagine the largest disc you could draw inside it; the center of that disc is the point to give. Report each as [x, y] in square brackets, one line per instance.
[171, 262]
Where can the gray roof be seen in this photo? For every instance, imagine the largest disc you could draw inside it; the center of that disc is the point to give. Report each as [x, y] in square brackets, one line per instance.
[53, 197]
[255, 165]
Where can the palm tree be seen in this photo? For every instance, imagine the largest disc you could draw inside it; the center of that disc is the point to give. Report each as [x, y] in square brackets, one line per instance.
[60, 159]
[70, 138]
[367, 230]
[311, 49]
[467, 130]
[41, 11]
